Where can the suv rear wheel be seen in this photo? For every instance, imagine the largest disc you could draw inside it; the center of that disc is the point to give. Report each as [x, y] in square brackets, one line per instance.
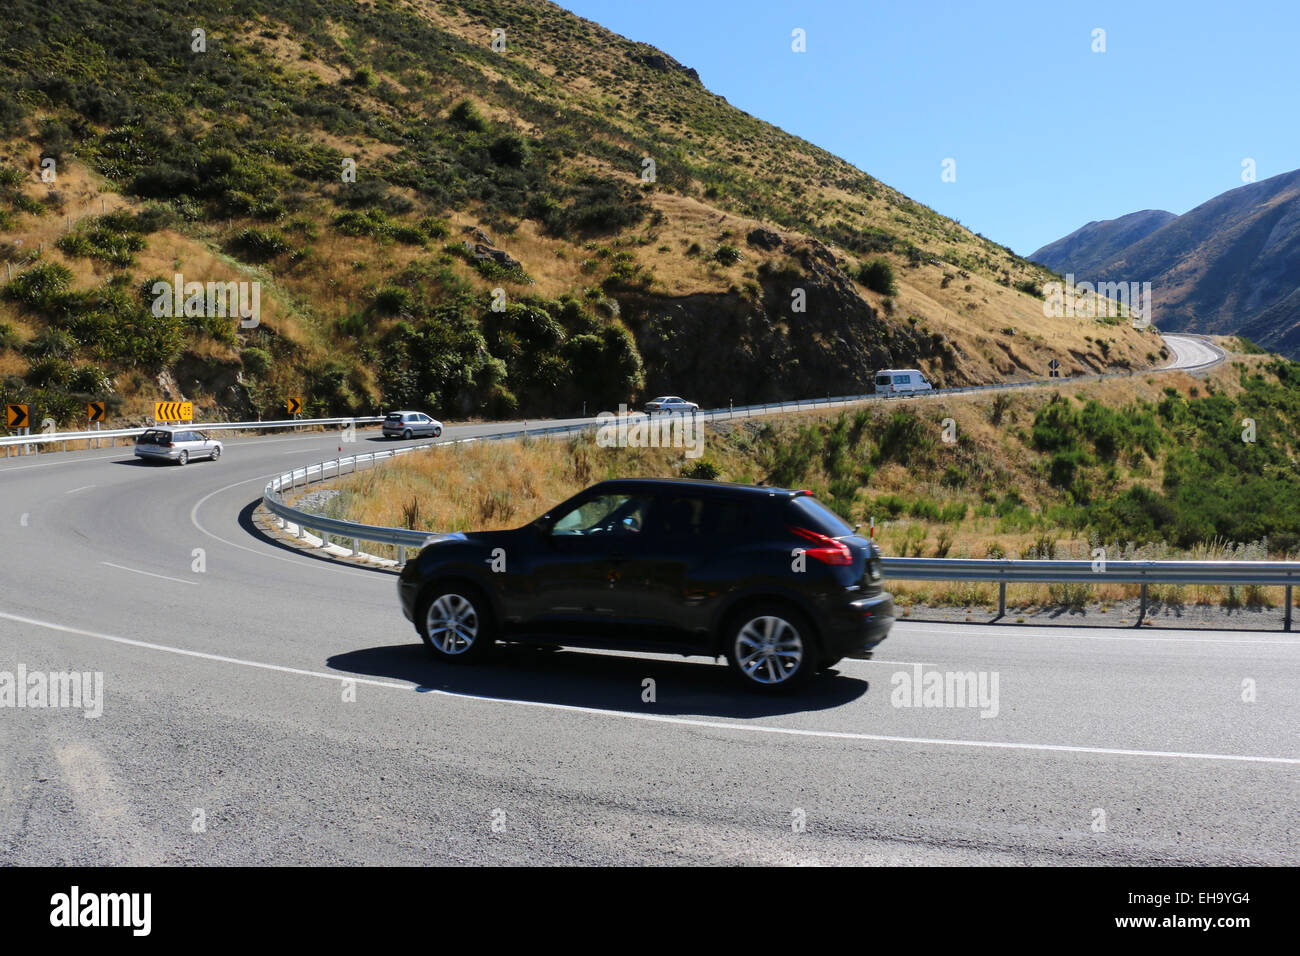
[770, 647]
[455, 623]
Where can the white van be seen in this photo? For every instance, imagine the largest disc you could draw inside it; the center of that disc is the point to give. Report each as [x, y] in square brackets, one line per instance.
[901, 381]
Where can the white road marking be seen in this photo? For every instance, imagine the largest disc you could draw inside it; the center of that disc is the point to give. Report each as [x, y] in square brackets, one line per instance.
[123, 567]
[194, 520]
[664, 719]
[65, 461]
[75, 490]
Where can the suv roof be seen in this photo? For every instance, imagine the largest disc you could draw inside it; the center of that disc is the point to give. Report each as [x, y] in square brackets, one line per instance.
[634, 484]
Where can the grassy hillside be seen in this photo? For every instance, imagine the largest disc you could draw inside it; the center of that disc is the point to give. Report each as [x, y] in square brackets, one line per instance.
[476, 170]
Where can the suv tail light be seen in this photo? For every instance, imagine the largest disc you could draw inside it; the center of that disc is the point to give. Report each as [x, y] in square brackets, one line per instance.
[826, 550]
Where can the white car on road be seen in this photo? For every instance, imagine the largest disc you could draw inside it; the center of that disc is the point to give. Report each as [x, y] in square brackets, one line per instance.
[180, 445]
[670, 404]
[411, 425]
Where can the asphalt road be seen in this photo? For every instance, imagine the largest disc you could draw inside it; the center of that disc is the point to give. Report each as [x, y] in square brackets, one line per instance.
[268, 706]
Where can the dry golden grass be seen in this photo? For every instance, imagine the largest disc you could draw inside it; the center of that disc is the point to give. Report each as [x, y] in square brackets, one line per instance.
[498, 485]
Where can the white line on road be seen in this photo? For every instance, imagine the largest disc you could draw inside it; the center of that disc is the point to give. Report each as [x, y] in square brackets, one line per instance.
[75, 490]
[123, 567]
[664, 719]
[194, 520]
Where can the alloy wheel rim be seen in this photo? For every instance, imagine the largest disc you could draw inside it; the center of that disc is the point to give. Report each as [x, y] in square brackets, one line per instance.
[769, 650]
[452, 624]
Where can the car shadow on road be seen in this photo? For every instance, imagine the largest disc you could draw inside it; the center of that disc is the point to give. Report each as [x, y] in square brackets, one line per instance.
[578, 678]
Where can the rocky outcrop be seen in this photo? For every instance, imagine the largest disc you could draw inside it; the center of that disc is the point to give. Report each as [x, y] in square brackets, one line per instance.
[715, 348]
[762, 238]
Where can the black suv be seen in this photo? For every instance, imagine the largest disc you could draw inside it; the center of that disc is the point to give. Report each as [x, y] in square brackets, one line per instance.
[767, 577]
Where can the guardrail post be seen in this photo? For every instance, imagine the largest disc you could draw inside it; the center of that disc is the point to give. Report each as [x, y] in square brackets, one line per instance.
[1002, 599]
[1287, 622]
[401, 551]
[356, 546]
[1142, 609]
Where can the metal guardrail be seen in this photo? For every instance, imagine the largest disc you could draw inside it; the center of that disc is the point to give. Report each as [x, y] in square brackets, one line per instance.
[828, 402]
[1025, 571]
[400, 538]
[41, 438]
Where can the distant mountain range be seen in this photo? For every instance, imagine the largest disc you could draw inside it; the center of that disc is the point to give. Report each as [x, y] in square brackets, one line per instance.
[1231, 266]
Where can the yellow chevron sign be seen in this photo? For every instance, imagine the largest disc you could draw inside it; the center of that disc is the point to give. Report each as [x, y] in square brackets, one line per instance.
[95, 411]
[17, 416]
[173, 411]
[295, 406]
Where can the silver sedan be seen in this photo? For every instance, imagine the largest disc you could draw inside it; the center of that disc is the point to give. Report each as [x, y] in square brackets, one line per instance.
[176, 444]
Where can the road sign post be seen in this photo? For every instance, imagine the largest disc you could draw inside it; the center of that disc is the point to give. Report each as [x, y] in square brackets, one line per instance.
[18, 416]
[173, 412]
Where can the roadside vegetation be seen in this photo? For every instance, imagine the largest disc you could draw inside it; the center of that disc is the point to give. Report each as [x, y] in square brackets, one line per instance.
[1151, 467]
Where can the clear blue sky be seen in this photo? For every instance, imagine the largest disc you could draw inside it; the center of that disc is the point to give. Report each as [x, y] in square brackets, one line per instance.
[1047, 135]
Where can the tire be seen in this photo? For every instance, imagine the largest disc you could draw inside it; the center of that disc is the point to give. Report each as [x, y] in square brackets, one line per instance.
[771, 648]
[408, 434]
[437, 433]
[182, 458]
[216, 453]
[455, 623]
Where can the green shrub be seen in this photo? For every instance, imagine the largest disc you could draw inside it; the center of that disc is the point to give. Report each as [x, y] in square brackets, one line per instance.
[256, 361]
[466, 115]
[259, 245]
[728, 255]
[878, 276]
[40, 286]
[701, 469]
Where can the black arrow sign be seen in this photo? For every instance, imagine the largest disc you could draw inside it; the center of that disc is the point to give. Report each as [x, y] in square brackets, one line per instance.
[95, 410]
[295, 406]
[17, 416]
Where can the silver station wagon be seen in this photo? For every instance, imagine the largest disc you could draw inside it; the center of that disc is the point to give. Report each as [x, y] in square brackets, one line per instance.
[180, 445]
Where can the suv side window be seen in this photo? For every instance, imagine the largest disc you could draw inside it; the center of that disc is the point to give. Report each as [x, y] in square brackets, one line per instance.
[604, 514]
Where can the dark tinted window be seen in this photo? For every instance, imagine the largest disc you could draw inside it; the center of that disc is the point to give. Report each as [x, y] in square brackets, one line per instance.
[813, 515]
[685, 517]
[154, 437]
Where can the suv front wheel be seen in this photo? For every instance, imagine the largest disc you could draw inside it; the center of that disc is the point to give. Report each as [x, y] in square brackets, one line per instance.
[771, 648]
[455, 624]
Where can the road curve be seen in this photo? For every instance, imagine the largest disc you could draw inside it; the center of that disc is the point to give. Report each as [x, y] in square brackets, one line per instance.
[281, 701]
[1192, 352]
